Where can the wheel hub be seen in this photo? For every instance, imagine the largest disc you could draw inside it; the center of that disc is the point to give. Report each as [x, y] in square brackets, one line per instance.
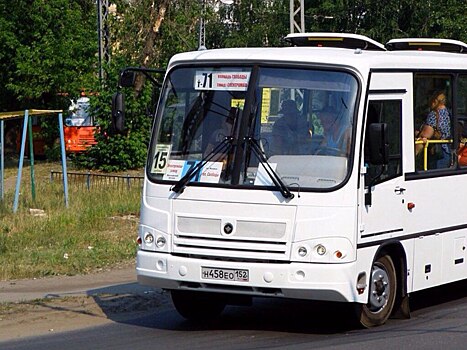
[379, 289]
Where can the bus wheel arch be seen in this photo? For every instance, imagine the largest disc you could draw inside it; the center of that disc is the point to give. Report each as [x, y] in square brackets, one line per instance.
[387, 288]
[395, 249]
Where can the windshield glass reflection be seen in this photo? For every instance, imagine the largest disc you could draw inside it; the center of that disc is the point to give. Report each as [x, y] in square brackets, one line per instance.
[300, 119]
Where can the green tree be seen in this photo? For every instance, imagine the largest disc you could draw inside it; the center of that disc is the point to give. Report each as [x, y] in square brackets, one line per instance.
[47, 48]
[135, 36]
[387, 19]
[249, 23]
[47, 51]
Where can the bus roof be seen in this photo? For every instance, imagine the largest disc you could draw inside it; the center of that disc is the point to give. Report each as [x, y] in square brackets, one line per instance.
[426, 44]
[343, 50]
[342, 40]
[361, 60]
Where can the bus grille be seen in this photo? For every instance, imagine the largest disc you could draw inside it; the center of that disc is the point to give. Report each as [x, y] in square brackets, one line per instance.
[249, 239]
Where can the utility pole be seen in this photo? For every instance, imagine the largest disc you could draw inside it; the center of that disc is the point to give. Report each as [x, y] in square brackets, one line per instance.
[202, 27]
[102, 36]
[202, 24]
[297, 16]
[297, 12]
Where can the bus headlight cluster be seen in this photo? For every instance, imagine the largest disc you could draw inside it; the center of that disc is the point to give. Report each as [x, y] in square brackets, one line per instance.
[153, 240]
[324, 250]
[159, 240]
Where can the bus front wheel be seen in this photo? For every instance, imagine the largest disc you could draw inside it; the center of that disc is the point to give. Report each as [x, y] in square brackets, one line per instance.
[382, 293]
[198, 306]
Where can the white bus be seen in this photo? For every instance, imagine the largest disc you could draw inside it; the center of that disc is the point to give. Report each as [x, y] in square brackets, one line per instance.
[292, 172]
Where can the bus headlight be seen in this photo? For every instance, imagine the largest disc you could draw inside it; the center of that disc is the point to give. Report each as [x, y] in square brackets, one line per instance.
[148, 238]
[160, 242]
[302, 251]
[320, 249]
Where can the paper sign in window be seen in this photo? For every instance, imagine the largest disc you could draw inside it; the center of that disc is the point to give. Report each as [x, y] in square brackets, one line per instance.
[215, 80]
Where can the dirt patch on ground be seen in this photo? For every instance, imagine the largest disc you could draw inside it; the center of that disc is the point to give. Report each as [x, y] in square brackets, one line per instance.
[53, 315]
[42, 306]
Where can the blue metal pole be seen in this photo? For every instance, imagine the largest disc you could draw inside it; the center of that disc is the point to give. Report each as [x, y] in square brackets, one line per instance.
[2, 159]
[21, 160]
[62, 148]
[31, 161]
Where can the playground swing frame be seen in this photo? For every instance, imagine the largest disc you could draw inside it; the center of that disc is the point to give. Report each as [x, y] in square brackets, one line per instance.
[27, 126]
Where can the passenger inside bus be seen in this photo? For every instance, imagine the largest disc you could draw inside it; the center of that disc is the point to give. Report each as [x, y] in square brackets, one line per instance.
[291, 133]
[462, 149]
[437, 126]
[336, 133]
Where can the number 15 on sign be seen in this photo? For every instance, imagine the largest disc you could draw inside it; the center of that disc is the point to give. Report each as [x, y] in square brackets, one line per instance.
[161, 159]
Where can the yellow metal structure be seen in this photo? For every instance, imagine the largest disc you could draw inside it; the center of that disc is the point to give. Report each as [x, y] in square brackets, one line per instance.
[425, 149]
[18, 114]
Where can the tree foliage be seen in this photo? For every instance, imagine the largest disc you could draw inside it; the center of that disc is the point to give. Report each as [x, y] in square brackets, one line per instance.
[115, 152]
[249, 23]
[46, 50]
[387, 19]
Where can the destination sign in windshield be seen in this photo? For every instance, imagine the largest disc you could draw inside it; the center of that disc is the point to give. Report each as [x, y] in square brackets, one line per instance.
[215, 80]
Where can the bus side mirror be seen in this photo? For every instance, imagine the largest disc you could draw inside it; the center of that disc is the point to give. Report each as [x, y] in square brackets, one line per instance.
[118, 112]
[378, 143]
[127, 78]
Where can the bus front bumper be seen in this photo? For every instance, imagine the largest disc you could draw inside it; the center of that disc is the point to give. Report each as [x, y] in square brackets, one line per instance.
[328, 282]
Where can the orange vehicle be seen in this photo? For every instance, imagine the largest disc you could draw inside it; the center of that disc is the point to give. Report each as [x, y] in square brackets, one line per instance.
[79, 127]
[79, 138]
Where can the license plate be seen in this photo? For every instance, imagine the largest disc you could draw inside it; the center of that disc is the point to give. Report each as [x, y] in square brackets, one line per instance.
[212, 273]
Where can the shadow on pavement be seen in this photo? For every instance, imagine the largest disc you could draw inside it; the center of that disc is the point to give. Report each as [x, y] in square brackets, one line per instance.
[153, 309]
[125, 301]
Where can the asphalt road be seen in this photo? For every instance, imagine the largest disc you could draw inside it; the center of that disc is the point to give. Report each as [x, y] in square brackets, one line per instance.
[439, 321]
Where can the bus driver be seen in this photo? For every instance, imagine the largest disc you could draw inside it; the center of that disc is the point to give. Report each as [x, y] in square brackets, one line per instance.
[291, 133]
[336, 134]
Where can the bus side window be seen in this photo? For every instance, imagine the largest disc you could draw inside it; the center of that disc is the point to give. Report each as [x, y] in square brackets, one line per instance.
[461, 113]
[433, 97]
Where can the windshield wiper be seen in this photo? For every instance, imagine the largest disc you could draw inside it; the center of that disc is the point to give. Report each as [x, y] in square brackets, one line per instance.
[284, 190]
[222, 148]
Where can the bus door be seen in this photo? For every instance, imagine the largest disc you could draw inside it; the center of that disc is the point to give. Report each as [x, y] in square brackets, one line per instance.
[384, 205]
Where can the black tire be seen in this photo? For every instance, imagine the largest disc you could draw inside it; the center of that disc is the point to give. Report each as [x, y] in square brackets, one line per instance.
[198, 306]
[382, 294]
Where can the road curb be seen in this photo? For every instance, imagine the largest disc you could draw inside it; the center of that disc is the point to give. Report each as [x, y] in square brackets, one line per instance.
[116, 281]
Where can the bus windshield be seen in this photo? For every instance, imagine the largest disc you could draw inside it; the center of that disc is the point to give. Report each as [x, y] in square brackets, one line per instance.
[236, 125]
